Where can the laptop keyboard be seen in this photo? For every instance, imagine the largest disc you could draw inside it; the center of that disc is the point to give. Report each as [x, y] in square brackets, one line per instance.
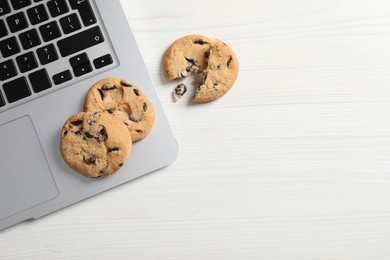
[46, 45]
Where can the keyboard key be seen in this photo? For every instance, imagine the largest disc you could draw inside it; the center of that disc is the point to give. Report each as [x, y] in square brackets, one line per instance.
[27, 62]
[37, 14]
[103, 61]
[57, 7]
[18, 4]
[62, 77]
[82, 70]
[70, 23]
[39, 80]
[50, 31]
[85, 11]
[16, 89]
[2, 102]
[47, 54]
[7, 70]
[80, 41]
[79, 60]
[17, 22]
[29, 39]
[4, 8]
[9, 47]
[3, 29]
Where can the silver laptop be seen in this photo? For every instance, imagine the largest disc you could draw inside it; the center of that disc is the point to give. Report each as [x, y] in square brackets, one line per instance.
[51, 53]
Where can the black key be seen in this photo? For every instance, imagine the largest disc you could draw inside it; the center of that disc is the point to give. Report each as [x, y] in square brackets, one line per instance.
[16, 89]
[17, 22]
[47, 54]
[36, 1]
[2, 102]
[27, 62]
[18, 4]
[7, 70]
[37, 14]
[85, 11]
[29, 39]
[103, 61]
[57, 7]
[79, 60]
[39, 80]
[70, 23]
[50, 31]
[80, 41]
[9, 47]
[3, 29]
[4, 8]
[83, 69]
[62, 77]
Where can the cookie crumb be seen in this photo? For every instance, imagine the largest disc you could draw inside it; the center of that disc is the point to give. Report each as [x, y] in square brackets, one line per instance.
[178, 92]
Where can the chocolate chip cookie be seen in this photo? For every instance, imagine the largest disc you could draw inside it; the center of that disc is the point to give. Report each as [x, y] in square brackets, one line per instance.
[213, 64]
[125, 101]
[95, 144]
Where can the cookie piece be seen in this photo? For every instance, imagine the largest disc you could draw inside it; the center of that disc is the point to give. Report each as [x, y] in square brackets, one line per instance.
[95, 144]
[220, 74]
[125, 101]
[178, 92]
[185, 55]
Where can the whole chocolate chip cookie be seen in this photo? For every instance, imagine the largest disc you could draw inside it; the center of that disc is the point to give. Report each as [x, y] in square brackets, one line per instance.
[220, 74]
[95, 144]
[126, 102]
[185, 55]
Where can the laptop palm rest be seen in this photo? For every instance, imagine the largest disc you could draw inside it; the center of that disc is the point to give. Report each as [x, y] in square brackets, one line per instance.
[25, 177]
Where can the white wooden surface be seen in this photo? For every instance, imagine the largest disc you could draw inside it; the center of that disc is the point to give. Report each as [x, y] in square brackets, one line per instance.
[293, 163]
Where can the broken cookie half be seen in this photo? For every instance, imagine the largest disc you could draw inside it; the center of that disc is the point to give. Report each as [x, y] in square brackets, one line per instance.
[213, 65]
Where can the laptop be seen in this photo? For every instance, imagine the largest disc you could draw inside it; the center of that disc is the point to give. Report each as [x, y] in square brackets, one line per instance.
[40, 88]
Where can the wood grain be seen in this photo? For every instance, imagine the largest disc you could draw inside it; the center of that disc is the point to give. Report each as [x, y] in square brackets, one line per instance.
[293, 163]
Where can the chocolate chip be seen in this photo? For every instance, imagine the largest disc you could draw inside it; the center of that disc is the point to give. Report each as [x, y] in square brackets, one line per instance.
[125, 83]
[65, 133]
[200, 41]
[108, 86]
[101, 135]
[229, 61]
[219, 67]
[88, 135]
[191, 60]
[136, 92]
[139, 131]
[114, 149]
[207, 54]
[77, 122]
[180, 89]
[109, 111]
[91, 160]
[101, 93]
[145, 107]
[134, 118]
[120, 165]
[78, 132]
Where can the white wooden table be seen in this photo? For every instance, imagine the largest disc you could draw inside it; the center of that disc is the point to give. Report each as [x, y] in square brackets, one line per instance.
[293, 163]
